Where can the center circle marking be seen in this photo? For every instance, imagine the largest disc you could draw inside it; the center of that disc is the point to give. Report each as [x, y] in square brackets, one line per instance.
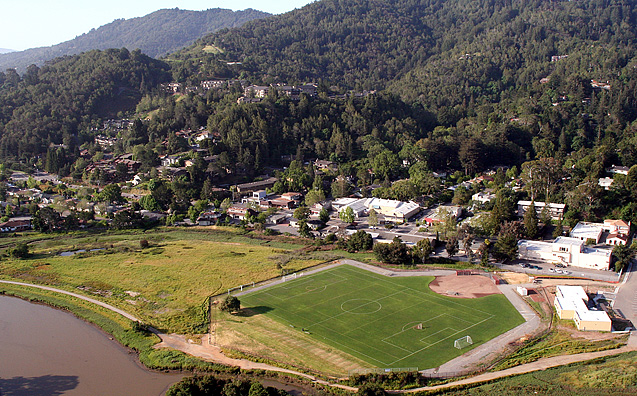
[361, 306]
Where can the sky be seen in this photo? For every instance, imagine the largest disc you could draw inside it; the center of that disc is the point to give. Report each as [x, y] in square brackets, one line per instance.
[41, 23]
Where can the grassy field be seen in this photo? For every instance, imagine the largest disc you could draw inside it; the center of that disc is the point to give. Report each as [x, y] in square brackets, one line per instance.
[167, 283]
[386, 322]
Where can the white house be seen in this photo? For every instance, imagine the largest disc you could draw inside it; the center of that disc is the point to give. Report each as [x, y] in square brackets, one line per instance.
[483, 197]
[606, 182]
[620, 170]
[567, 251]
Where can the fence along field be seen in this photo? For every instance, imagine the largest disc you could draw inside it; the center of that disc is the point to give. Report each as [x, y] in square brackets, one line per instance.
[387, 322]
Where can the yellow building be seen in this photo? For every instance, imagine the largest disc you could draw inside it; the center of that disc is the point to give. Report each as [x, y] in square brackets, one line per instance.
[571, 302]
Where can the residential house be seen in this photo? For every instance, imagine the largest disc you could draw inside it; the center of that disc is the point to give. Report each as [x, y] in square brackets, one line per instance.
[618, 232]
[571, 302]
[16, 225]
[620, 170]
[316, 209]
[606, 182]
[240, 211]
[326, 165]
[169, 160]
[209, 218]
[556, 210]
[257, 91]
[483, 197]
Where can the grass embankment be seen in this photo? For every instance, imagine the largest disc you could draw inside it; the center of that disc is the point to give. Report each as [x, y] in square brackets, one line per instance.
[166, 284]
[611, 376]
[555, 342]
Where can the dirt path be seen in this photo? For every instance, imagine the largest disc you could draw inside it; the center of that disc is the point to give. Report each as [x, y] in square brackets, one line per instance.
[81, 297]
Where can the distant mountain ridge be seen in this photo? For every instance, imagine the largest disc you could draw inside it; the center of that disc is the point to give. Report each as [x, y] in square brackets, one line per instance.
[5, 50]
[155, 34]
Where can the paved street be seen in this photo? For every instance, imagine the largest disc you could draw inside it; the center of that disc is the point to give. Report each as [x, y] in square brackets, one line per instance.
[626, 300]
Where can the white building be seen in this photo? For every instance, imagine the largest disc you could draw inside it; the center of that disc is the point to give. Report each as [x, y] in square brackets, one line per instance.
[567, 251]
[392, 210]
[556, 210]
[585, 231]
[606, 182]
[483, 197]
[571, 302]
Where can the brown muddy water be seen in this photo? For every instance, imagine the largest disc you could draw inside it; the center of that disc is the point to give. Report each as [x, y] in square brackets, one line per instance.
[45, 351]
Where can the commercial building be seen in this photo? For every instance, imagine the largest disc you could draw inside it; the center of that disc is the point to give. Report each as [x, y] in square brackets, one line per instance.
[567, 251]
[571, 302]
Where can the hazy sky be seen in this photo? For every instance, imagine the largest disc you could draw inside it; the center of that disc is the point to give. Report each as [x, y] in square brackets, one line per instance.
[40, 23]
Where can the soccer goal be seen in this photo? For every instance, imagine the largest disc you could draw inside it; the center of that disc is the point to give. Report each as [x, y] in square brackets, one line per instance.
[463, 342]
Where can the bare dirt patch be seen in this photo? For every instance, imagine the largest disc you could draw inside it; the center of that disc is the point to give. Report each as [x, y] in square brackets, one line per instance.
[464, 286]
[514, 278]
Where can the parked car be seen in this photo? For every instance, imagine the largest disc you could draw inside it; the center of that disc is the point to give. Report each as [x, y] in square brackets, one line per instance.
[551, 269]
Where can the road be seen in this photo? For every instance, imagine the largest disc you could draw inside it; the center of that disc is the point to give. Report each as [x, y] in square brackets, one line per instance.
[626, 299]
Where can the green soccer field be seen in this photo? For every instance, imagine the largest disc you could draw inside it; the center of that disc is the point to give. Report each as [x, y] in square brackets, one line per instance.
[389, 322]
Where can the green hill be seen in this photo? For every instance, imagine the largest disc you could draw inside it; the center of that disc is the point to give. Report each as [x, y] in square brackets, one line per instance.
[156, 34]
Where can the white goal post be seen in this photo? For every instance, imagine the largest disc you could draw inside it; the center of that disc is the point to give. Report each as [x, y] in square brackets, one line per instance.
[463, 342]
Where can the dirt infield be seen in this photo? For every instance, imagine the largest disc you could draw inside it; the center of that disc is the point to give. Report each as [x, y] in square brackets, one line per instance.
[465, 286]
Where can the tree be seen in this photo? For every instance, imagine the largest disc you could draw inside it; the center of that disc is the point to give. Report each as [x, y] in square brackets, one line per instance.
[230, 304]
[256, 389]
[395, 252]
[466, 245]
[301, 213]
[21, 250]
[622, 255]
[372, 220]
[340, 187]
[46, 219]
[358, 241]
[484, 250]
[531, 222]
[347, 215]
[324, 215]
[452, 246]
[559, 228]
[422, 250]
[369, 389]
[506, 247]
[314, 196]
[304, 229]
[111, 193]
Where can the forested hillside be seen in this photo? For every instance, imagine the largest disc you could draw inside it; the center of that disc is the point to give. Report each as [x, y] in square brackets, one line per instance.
[155, 34]
[62, 101]
[461, 86]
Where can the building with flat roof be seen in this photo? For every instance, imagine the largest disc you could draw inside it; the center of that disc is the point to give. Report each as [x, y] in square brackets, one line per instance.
[585, 230]
[392, 210]
[556, 210]
[565, 250]
[571, 302]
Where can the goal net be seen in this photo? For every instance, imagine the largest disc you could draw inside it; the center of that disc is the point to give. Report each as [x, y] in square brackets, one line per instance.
[463, 342]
